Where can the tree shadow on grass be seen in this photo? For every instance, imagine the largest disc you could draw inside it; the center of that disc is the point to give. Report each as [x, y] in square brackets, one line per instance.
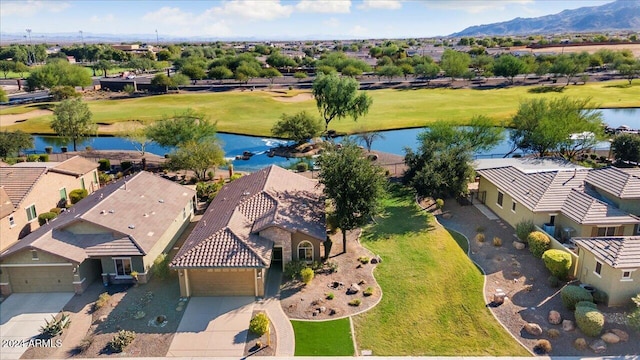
[546, 89]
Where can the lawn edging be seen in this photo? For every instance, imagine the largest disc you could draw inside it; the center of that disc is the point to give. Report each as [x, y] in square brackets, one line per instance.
[484, 287]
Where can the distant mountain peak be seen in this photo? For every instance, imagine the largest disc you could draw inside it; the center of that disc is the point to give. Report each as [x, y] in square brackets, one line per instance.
[617, 15]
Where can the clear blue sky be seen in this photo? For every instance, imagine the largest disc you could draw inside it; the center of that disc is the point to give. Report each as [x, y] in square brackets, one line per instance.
[270, 19]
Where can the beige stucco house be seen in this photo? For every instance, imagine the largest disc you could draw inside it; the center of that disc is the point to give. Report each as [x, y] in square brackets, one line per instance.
[119, 229]
[29, 189]
[571, 202]
[261, 220]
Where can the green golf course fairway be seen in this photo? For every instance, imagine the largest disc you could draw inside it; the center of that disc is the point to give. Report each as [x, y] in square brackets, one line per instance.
[255, 112]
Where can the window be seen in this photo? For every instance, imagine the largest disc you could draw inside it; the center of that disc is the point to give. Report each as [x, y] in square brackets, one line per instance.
[607, 231]
[95, 177]
[626, 275]
[513, 206]
[63, 194]
[82, 183]
[34, 255]
[31, 213]
[305, 251]
[12, 221]
[123, 266]
[184, 213]
[598, 269]
[637, 232]
[500, 198]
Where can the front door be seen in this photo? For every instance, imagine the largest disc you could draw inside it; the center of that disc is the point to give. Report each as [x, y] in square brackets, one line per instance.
[276, 257]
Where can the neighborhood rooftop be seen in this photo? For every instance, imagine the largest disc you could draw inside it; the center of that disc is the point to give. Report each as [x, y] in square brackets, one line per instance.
[226, 236]
[617, 252]
[527, 164]
[621, 183]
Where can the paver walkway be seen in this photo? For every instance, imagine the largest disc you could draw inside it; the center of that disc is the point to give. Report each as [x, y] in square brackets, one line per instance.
[271, 305]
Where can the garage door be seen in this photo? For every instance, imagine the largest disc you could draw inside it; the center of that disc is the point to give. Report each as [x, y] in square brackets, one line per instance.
[41, 279]
[232, 282]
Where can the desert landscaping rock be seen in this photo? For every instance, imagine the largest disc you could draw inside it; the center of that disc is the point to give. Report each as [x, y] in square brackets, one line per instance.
[353, 289]
[610, 338]
[554, 317]
[624, 337]
[598, 346]
[580, 344]
[518, 245]
[567, 325]
[533, 329]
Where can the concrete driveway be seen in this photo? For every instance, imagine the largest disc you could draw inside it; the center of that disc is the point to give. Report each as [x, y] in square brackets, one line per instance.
[22, 315]
[213, 327]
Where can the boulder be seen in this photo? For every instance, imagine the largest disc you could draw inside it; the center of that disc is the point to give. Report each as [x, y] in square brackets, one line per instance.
[533, 329]
[598, 346]
[580, 344]
[322, 309]
[610, 338]
[518, 245]
[567, 325]
[624, 337]
[374, 261]
[353, 289]
[554, 317]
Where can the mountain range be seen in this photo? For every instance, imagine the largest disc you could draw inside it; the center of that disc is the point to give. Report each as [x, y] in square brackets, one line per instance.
[617, 15]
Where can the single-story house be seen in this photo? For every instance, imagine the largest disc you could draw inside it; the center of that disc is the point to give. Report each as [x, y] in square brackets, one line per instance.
[610, 264]
[30, 188]
[617, 185]
[260, 220]
[120, 228]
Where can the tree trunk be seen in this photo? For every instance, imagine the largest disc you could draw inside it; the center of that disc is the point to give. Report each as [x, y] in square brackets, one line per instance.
[344, 241]
[74, 144]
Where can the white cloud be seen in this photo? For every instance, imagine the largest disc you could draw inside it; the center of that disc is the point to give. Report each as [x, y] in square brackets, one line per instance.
[168, 16]
[325, 6]
[332, 22]
[220, 29]
[475, 7]
[381, 4]
[102, 19]
[29, 7]
[253, 9]
[359, 31]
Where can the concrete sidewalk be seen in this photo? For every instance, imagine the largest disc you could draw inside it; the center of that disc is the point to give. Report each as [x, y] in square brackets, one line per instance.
[271, 305]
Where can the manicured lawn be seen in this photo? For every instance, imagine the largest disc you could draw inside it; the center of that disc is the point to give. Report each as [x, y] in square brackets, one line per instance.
[432, 300]
[460, 239]
[254, 113]
[324, 338]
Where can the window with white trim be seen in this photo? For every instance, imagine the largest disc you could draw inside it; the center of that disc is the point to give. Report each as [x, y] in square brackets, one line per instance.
[607, 231]
[34, 255]
[598, 269]
[637, 232]
[12, 221]
[305, 251]
[31, 213]
[82, 184]
[500, 198]
[123, 266]
[513, 206]
[63, 194]
[626, 275]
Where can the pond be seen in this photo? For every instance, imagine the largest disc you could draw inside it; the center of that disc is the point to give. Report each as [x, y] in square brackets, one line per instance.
[394, 142]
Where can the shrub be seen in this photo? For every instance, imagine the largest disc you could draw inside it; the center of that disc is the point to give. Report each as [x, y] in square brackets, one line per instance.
[523, 229]
[580, 344]
[77, 195]
[542, 347]
[330, 296]
[105, 165]
[103, 299]
[235, 176]
[558, 262]
[60, 93]
[600, 297]
[589, 320]
[480, 229]
[634, 317]
[43, 157]
[572, 294]
[208, 190]
[55, 326]
[56, 210]
[46, 217]
[161, 266]
[302, 166]
[210, 175]
[480, 237]
[125, 165]
[439, 204]
[293, 268]
[307, 275]
[48, 149]
[122, 339]
[85, 344]
[553, 333]
[259, 324]
[364, 259]
[497, 241]
[355, 302]
[33, 158]
[553, 281]
[587, 304]
[129, 89]
[104, 178]
[333, 266]
[368, 291]
[538, 243]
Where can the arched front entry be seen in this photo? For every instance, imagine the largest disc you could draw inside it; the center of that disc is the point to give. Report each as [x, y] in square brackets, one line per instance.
[305, 251]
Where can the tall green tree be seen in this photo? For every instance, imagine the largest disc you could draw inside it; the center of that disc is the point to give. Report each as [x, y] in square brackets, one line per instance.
[73, 119]
[338, 97]
[198, 156]
[12, 142]
[455, 63]
[629, 71]
[479, 136]
[58, 73]
[104, 66]
[6, 67]
[626, 148]
[428, 71]
[570, 65]
[545, 126]
[509, 66]
[162, 81]
[299, 127]
[220, 73]
[270, 73]
[353, 184]
[389, 71]
[181, 128]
